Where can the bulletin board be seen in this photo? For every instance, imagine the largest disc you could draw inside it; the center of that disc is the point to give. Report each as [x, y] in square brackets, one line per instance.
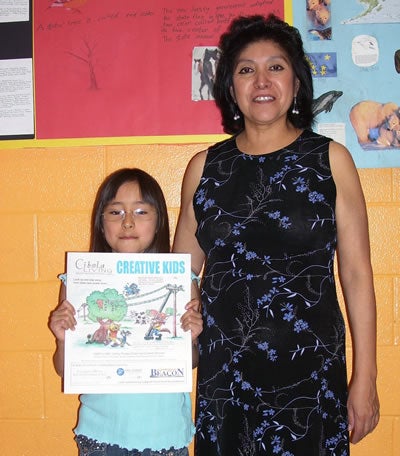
[355, 64]
[16, 70]
[124, 68]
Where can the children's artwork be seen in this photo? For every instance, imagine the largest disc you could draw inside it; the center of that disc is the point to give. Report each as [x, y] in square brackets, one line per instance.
[319, 19]
[377, 125]
[322, 64]
[355, 63]
[125, 68]
[128, 337]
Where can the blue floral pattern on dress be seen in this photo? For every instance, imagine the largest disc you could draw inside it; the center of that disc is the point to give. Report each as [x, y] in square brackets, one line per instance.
[272, 374]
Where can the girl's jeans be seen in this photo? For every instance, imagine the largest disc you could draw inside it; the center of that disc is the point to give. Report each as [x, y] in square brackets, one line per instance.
[89, 447]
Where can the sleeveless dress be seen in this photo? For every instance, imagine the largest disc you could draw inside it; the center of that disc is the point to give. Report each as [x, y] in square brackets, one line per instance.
[272, 372]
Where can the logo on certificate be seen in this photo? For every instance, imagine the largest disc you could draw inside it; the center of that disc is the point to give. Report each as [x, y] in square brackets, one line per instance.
[159, 373]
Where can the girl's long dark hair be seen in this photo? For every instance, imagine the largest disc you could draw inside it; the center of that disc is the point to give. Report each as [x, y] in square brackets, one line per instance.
[151, 194]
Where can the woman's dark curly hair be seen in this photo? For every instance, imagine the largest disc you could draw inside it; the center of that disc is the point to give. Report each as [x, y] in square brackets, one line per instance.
[151, 193]
[246, 30]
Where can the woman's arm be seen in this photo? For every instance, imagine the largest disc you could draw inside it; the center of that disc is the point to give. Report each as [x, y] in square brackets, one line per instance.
[185, 235]
[61, 319]
[356, 278]
[185, 238]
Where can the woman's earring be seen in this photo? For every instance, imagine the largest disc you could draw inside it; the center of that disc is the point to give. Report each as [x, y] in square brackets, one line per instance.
[236, 116]
[295, 109]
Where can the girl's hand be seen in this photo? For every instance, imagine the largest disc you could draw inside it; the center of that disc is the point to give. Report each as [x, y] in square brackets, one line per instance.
[192, 318]
[61, 319]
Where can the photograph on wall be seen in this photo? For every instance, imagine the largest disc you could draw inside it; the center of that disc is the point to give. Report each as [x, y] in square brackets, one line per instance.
[205, 59]
[361, 101]
[318, 17]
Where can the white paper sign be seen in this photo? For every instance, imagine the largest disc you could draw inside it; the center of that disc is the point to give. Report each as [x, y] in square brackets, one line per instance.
[16, 97]
[128, 337]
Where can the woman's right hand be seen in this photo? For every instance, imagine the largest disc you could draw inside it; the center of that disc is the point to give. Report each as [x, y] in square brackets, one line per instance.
[61, 319]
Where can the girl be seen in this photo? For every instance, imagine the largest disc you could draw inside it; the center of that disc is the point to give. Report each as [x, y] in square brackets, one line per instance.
[129, 216]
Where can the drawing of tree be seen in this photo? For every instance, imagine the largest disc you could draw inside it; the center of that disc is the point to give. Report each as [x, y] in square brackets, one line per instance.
[89, 60]
[106, 305]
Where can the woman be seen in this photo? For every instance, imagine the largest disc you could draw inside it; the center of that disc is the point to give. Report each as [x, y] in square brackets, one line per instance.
[264, 212]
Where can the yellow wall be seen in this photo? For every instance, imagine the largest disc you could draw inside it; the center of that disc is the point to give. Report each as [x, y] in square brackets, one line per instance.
[46, 195]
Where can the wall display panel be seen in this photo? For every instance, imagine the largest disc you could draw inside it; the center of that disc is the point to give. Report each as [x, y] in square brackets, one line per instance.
[123, 68]
[355, 60]
[16, 70]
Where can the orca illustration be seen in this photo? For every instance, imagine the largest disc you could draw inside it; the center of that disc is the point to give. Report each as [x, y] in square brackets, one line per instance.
[325, 102]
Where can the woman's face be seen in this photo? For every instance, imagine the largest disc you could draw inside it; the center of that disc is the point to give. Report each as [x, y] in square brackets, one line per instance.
[135, 232]
[264, 83]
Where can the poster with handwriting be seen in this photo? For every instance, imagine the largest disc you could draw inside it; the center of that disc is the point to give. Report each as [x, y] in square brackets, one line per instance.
[128, 337]
[124, 68]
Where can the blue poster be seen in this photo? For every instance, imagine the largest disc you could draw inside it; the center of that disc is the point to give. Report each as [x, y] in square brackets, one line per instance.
[354, 55]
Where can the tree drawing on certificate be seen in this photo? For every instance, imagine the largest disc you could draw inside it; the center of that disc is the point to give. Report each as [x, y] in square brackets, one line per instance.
[117, 323]
[107, 307]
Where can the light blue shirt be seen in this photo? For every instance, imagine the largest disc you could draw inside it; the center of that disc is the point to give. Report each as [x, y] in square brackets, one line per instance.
[136, 421]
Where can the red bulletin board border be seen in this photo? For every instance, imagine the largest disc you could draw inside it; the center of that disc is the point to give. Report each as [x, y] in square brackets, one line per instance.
[115, 69]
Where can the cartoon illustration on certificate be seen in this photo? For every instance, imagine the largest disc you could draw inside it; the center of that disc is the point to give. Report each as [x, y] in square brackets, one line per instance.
[128, 337]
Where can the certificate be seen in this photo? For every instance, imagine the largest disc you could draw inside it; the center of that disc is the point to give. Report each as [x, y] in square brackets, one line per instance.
[128, 337]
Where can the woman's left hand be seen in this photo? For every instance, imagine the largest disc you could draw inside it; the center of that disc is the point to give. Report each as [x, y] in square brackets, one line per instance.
[192, 318]
[363, 408]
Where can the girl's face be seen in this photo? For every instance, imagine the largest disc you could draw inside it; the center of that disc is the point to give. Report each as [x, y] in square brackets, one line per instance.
[134, 232]
[264, 83]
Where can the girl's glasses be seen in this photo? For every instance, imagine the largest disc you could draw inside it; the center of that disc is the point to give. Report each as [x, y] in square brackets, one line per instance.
[116, 215]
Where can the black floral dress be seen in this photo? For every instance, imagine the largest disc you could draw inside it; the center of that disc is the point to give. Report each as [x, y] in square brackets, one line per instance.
[272, 375]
